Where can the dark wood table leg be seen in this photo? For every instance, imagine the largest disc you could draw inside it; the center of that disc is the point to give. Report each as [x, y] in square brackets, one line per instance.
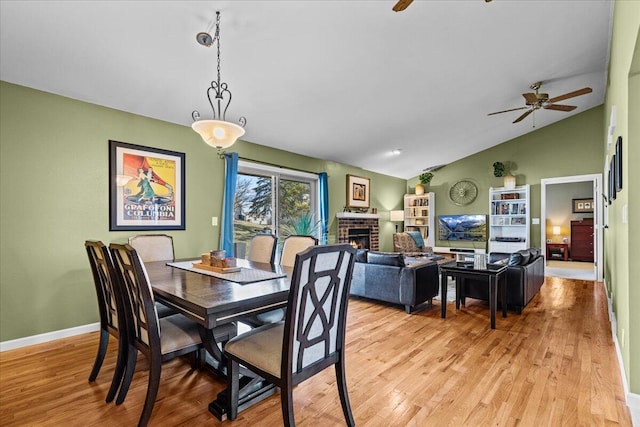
[493, 297]
[443, 295]
[459, 284]
[253, 389]
[503, 294]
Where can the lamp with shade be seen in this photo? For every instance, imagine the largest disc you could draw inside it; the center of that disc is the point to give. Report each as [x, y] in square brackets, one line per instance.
[396, 216]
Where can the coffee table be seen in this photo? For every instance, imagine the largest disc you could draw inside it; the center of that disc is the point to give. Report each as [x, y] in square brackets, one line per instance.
[462, 271]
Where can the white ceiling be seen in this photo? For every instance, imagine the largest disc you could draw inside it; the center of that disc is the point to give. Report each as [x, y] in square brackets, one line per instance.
[338, 80]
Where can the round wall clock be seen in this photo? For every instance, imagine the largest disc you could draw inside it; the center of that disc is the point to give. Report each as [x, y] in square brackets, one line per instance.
[463, 192]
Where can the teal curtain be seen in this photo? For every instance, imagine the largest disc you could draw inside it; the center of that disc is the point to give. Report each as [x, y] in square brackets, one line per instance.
[324, 206]
[231, 176]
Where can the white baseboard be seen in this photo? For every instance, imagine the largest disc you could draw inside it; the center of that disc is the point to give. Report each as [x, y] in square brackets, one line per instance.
[49, 336]
[632, 399]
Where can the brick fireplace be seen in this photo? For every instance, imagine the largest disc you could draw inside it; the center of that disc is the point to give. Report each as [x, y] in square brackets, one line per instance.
[357, 228]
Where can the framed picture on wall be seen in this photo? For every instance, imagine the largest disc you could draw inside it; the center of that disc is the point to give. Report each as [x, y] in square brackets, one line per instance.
[619, 164]
[146, 188]
[612, 178]
[358, 190]
[582, 205]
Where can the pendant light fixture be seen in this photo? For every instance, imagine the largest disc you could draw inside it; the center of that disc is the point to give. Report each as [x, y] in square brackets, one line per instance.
[218, 132]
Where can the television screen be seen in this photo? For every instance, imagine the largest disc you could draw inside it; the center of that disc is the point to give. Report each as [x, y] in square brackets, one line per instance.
[462, 227]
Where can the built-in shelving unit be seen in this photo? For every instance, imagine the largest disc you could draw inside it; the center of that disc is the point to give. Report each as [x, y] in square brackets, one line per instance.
[419, 213]
[509, 219]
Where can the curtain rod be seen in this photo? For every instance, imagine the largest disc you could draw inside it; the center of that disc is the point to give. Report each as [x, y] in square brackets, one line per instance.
[277, 166]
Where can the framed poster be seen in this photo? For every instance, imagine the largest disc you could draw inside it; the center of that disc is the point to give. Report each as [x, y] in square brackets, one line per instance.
[619, 164]
[582, 205]
[358, 190]
[146, 188]
[612, 172]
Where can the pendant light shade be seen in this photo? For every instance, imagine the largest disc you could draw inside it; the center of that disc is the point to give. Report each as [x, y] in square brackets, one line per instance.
[218, 133]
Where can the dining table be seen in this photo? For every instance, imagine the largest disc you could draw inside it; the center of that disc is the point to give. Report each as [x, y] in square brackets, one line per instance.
[214, 300]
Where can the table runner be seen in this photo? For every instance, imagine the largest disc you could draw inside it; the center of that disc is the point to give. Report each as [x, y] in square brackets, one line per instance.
[245, 275]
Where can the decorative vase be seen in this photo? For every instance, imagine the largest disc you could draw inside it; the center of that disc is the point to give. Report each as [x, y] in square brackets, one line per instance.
[509, 182]
[419, 189]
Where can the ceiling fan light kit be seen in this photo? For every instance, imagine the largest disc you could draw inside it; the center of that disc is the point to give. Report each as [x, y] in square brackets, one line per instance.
[537, 100]
[218, 132]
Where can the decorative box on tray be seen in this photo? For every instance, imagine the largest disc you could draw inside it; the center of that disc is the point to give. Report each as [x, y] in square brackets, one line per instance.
[218, 262]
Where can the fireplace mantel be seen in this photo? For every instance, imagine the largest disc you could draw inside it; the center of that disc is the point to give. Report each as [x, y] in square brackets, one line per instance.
[353, 215]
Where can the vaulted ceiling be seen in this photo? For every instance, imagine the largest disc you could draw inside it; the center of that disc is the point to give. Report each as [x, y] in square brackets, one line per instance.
[346, 81]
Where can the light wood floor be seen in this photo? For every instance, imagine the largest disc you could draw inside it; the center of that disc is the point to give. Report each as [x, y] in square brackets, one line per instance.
[553, 365]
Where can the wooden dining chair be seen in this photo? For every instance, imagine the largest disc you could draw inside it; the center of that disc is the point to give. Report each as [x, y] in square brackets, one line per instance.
[111, 310]
[153, 247]
[292, 246]
[159, 340]
[262, 248]
[309, 340]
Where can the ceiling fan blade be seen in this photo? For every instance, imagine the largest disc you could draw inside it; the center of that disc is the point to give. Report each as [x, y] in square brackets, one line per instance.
[506, 111]
[531, 98]
[558, 107]
[523, 116]
[401, 5]
[578, 92]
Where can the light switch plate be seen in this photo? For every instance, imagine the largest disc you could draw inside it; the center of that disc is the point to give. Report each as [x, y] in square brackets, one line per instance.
[625, 214]
[214, 221]
[535, 221]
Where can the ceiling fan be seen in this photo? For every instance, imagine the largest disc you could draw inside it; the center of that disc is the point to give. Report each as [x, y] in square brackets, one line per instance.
[403, 4]
[536, 101]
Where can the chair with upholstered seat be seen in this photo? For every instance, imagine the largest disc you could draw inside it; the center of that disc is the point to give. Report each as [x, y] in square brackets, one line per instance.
[309, 340]
[406, 243]
[262, 248]
[292, 246]
[111, 310]
[158, 339]
[153, 247]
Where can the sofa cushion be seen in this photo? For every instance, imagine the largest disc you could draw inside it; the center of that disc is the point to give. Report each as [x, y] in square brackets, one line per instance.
[392, 259]
[519, 258]
[361, 255]
[534, 253]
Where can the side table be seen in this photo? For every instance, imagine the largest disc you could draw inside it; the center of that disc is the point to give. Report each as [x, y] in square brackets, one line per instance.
[492, 275]
[563, 247]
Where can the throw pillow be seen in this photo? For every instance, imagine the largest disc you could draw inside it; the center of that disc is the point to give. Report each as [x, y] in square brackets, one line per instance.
[361, 255]
[515, 259]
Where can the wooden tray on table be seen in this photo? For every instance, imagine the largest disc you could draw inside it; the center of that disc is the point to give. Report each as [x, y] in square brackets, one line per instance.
[216, 269]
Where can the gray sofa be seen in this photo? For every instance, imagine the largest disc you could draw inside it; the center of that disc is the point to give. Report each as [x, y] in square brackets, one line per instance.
[525, 276]
[385, 277]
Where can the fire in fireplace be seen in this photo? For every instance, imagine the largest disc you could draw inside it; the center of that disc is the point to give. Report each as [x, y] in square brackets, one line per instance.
[359, 238]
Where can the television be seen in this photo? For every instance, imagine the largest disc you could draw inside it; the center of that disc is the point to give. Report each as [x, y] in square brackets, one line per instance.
[471, 228]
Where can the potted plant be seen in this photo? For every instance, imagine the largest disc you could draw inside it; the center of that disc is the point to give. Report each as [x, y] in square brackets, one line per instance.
[500, 170]
[425, 178]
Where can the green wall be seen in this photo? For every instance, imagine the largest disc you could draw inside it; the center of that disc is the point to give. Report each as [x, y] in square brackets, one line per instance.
[54, 195]
[570, 147]
[623, 91]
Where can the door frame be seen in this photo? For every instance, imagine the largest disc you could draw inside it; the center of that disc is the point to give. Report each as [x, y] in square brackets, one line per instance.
[599, 207]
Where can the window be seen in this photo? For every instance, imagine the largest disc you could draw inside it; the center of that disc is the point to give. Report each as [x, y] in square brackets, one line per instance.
[274, 200]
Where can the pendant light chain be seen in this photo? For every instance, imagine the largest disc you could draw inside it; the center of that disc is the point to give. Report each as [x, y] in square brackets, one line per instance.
[218, 39]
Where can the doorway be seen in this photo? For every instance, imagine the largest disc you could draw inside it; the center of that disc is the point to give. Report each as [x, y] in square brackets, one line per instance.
[556, 218]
